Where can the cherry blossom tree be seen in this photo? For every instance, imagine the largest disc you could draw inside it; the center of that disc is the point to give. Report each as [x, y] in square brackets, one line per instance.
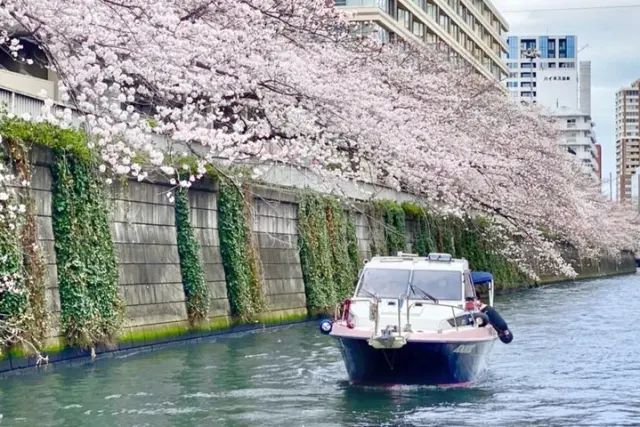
[288, 81]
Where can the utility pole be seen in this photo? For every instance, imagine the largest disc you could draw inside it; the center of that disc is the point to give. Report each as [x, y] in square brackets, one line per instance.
[531, 55]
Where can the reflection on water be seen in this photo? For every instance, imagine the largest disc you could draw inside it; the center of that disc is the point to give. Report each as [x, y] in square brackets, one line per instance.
[574, 361]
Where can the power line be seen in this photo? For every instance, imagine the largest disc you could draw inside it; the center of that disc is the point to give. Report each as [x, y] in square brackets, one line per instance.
[564, 9]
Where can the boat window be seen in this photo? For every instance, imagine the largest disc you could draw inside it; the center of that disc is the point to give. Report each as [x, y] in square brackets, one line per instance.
[442, 285]
[386, 283]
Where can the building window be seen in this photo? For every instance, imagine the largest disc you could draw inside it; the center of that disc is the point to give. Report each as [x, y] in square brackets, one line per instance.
[527, 75]
[551, 50]
[528, 44]
[432, 9]
[512, 42]
[405, 18]
[512, 84]
[567, 65]
[571, 47]
[551, 65]
[528, 65]
[562, 48]
[419, 29]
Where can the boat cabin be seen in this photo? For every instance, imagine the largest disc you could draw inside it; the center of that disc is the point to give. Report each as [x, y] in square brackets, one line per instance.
[438, 277]
[409, 292]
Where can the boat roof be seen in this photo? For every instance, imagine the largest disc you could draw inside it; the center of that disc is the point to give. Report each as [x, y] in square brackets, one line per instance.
[440, 262]
[481, 277]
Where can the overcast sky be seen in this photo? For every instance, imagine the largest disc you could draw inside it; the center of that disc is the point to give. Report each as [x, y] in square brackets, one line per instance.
[610, 38]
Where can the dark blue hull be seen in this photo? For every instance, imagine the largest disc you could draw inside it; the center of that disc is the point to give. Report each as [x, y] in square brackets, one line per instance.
[423, 363]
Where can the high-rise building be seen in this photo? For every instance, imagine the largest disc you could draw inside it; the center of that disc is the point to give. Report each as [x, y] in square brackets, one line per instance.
[578, 138]
[471, 30]
[627, 138]
[543, 70]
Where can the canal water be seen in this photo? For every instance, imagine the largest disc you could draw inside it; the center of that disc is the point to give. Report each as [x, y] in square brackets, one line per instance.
[575, 360]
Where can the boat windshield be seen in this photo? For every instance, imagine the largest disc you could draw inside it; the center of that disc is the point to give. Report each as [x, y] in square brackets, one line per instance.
[384, 282]
[442, 285]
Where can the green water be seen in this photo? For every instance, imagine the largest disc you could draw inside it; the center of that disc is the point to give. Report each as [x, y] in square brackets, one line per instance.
[574, 361]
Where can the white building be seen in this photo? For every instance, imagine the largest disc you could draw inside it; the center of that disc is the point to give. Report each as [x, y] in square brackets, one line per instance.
[578, 138]
[549, 76]
[471, 30]
[544, 70]
[627, 137]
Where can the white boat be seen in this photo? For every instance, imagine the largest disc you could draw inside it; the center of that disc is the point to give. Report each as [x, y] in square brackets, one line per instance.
[417, 320]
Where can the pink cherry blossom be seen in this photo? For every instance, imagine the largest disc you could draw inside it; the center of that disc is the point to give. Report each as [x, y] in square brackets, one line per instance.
[232, 81]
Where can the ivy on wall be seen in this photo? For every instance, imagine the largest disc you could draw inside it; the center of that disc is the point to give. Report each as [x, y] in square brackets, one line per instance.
[375, 222]
[28, 309]
[256, 275]
[328, 251]
[92, 309]
[239, 255]
[193, 282]
[424, 240]
[33, 263]
[315, 254]
[13, 306]
[387, 218]
[463, 238]
[352, 247]
[341, 236]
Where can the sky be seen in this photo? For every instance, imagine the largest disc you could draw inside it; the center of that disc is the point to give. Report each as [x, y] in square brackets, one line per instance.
[609, 39]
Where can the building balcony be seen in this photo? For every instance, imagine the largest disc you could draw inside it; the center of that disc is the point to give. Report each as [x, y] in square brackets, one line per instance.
[384, 14]
[28, 85]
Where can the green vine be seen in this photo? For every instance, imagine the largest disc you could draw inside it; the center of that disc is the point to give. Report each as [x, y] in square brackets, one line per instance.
[424, 239]
[33, 263]
[341, 243]
[195, 287]
[256, 275]
[352, 247]
[463, 238]
[315, 254]
[394, 226]
[92, 309]
[239, 256]
[375, 221]
[13, 306]
[328, 251]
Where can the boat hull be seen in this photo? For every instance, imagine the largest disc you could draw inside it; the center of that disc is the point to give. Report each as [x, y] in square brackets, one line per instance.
[416, 363]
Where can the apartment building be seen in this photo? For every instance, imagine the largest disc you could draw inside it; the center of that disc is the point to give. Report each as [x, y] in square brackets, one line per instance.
[578, 137]
[627, 138]
[471, 30]
[544, 70]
